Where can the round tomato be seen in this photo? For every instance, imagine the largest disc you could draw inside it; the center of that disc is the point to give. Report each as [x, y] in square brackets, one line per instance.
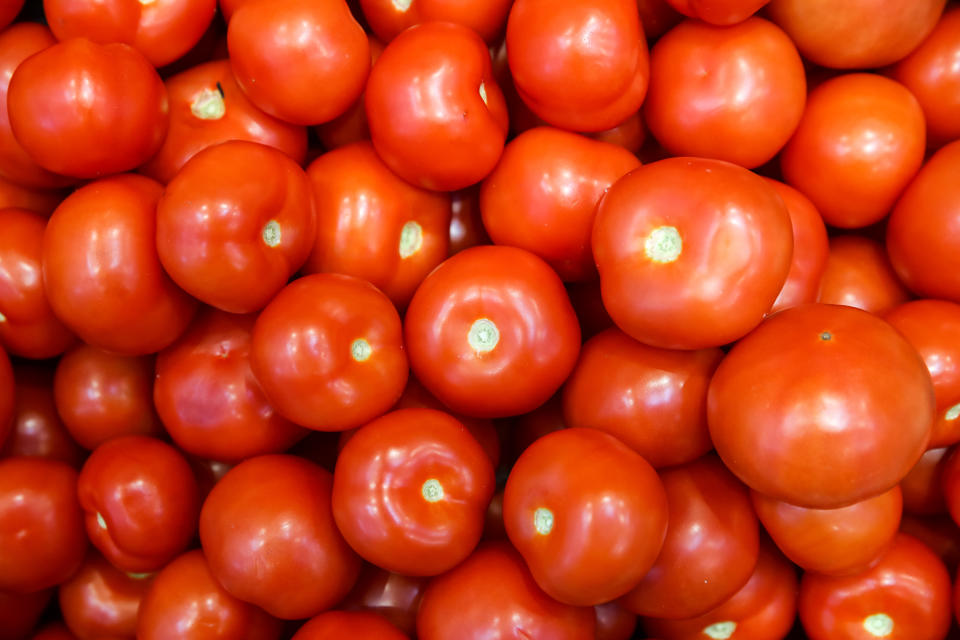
[388, 18]
[858, 274]
[718, 12]
[391, 595]
[101, 601]
[922, 487]
[348, 624]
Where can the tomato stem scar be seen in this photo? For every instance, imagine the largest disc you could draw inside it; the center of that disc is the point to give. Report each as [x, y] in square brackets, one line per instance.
[483, 335]
[952, 413]
[360, 349]
[879, 625]
[432, 490]
[826, 335]
[271, 233]
[402, 5]
[720, 630]
[543, 520]
[663, 245]
[411, 239]
[209, 104]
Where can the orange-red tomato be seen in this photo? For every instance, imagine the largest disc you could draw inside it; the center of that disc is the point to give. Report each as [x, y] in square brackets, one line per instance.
[656, 17]
[922, 487]
[101, 601]
[859, 274]
[718, 12]
[331, 625]
[391, 595]
[388, 18]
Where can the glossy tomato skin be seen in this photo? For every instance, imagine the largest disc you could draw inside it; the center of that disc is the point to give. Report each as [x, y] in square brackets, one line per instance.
[42, 541]
[302, 61]
[268, 533]
[390, 595]
[833, 157]
[858, 274]
[373, 225]
[101, 271]
[29, 327]
[101, 601]
[436, 114]
[206, 108]
[185, 601]
[36, 429]
[560, 72]
[388, 19]
[664, 225]
[491, 332]
[140, 501]
[543, 193]
[7, 397]
[731, 93]
[722, 12]
[905, 595]
[48, 117]
[807, 432]
[20, 612]
[922, 487]
[494, 595]
[332, 625]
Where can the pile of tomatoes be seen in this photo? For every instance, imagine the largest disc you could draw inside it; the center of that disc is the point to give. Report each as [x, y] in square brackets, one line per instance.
[479, 319]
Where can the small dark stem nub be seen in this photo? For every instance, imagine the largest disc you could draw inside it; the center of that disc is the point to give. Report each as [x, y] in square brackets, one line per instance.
[826, 335]
[220, 89]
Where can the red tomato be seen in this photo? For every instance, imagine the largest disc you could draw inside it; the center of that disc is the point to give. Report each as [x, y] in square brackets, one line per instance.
[267, 531]
[344, 625]
[629, 134]
[101, 601]
[950, 483]
[36, 428]
[731, 93]
[466, 222]
[543, 193]
[391, 595]
[492, 595]
[614, 622]
[436, 114]
[40, 200]
[82, 133]
[922, 487]
[587, 300]
[302, 61]
[9, 11]
[656, 17]
[669, 229]
[388, 18]
[526, 429]
[653, 400]
[7, 396]
[711, 546]
[718, 12]
[186, 602]
[557, 509]
[793, 408]
[858, 274]
[328, 352]
[940, 533]
[491, 332]
[102, 274]
[54, 631]
[28, 326]
[141, 502]
[206, 108]
[19, 613]
[578, 65]
[905, 595]
[351, 125]
[41, 525]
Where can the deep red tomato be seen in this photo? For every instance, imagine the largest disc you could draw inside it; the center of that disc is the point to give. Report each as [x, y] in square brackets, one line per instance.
[302, 61]
[524, 430]
[587, 300]
[267, 531]
[629, 134]
[42, 201]
[466, 222]
[7, 396]
[351, 125]
[543, 193]
[9, 11]
[140, 501]
[373, 225]
[343, 625]
[653, 400]
[555, 508]
[436, 114]
[82, 133]
[492, 595]
[732, 93]
[922, 487]
[656, 17]
[614, 622]
[36, 429]
[792, 409]
[905, 595]
[101, 601]
[19, 613]
[42, 541]
[101, 271]
[391, 595]
[491, 332]
[950, 483]
[53, 631]
[186, 602]
[940, 533]
[388, 18]
[663, 227]
[206, 108]
[562, 74]
[834, 157]
[859, 274]
[718, 12]
[28, 326]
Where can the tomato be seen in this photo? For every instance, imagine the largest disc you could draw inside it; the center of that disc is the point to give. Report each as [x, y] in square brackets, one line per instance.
[437, 117]
[206, 108]
[40, 200]
[388, 18]
[82, 133]
[763, 609]
[653, 400]
[332, 625]
[905, 595]
[36, 428]
[732, 93]
[28, 326]
[466, 221]
[793, 408]
[858, 33]
[101, 271]
[614, 622]
[101, 601]
[629, 134]
[524, 430]
[950, 483]
[940, 533]
[657, 17]
[587, 300]
[186, 602]
[19, 613]
[302, 61]
[923, 238]
[54, 631]
[543, 193]
[410, 492]
[41, 525]
[667, 226]
[9, 11]
[492, 595]
[267, 531]
[922, 487]
[858, 274]
[140, 500]
[391, 595]
[491, 332]
[7, 396]
[718, 12]
[373, 225]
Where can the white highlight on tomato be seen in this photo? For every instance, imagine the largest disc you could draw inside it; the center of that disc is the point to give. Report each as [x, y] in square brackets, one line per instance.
[879, 625]
[411, 239]
[361, 350]
[483, 335]
[208, 105]
[271, 233]
[953, 412]
[3, 318]
[483, 94]
[432, 490]
[402, 5]
[101, 521]
[663, 245]
[543, 520]
[720, 630]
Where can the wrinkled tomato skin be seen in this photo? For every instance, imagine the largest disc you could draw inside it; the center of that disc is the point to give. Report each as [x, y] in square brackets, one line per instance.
[858, 274]
[391, 595]
[923, 488]
[348, 624]
[718, 12]
[388, 19]
[101, 601]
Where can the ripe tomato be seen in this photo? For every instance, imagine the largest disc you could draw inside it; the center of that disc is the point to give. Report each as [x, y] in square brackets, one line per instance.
[793, 408]
[657, 17]
[391, 595]
[543, 193]
[709, 243]
[858, 274]
[731, 93]
[101, 271]
[905, 595]
[9, 11]
[614, 622]
[54, 631]
[351, 125]
[466, 221]
[719, 12]
[492, 595]
[923, 488]
[82, 133]
[101, 601]
[36, 428]
[436, 114]
[186, 602]
[40, 200]
[940, 533]
[267, 531]
[7, 397]
[20, 612]
[388, 18]
[950, 482]
[348, 624]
